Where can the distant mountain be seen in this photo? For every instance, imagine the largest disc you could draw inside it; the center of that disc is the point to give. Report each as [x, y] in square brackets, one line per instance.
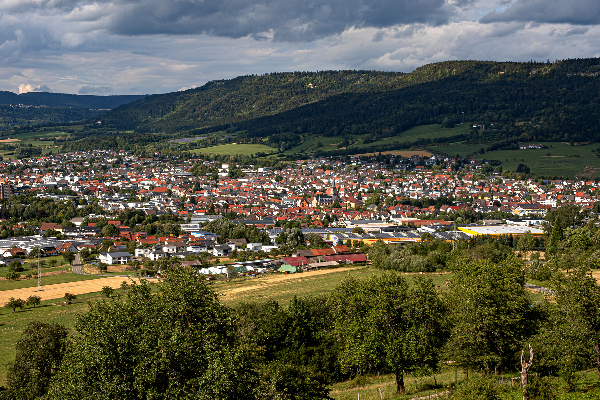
[66, 100]
[532, 101]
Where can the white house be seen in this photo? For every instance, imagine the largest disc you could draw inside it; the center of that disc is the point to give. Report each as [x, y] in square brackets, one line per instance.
[118, 257]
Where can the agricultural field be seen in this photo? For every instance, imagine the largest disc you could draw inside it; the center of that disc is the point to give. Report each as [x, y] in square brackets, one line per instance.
[559, 159]
[419, 132]
[38, 135]
[461, 150]
[278, 287]
[234, 148]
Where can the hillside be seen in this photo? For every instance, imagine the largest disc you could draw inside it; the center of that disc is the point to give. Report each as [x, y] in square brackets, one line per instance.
[66, 100]
[524, 101]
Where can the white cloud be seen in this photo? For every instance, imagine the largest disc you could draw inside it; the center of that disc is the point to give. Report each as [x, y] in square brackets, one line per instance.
[93, 46]
[26, 88]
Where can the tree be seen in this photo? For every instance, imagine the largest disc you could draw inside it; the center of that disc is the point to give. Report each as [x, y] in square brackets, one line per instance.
[177, 344]
[384, 324]
[34, 300]
[526, 242]
[69, 298]
[107, 291]
[316, 241]
[575, 324]
[292, 237]
[13, 275]
[492, 314]
[15, 303]
[102, 267]
[39, 354]
[522, 168]
[84, 254]
[110, 230]
[68, 256]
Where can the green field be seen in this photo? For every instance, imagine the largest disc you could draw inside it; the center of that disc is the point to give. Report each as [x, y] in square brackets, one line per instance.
[233, 148]
[38, 135]
[313, 143]
[559, 159]
[12, 324]
[253, 289]
[310, 144]
[419, 132]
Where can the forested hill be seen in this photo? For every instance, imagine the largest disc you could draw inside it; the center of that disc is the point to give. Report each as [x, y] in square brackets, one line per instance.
[559, 99]
[66, 100]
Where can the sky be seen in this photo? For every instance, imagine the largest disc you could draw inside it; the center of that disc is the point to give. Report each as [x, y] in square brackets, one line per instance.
[114, 47]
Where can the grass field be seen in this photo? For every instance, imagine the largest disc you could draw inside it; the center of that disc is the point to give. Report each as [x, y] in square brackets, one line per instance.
[233, 148]
[281, 288]
[12, 324]
[46, 280]
[559, 159]
[419, 132]
[38, 135]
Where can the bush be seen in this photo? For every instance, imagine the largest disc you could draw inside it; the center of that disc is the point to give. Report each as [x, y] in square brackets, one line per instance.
[478, 387]
[360, 381]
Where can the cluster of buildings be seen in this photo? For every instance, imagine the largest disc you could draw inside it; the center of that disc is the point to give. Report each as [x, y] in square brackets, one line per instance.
[387, 198]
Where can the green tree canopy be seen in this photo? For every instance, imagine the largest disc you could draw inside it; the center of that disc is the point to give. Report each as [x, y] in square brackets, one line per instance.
[39, 354]
[177, 344]
[491, 314]
[384, 324]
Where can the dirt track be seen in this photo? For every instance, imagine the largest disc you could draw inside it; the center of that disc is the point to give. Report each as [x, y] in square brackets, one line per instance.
[58, 291]
[261, 283]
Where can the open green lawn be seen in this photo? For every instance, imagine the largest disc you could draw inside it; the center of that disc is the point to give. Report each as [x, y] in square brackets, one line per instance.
[419, 132]
[12, 324]
[46, 280]
[310, 144]
[559, 159]
[233, 148]
[37, 135]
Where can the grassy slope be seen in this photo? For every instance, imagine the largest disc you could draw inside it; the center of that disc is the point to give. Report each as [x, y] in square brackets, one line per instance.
[230, 149]
[558, 159]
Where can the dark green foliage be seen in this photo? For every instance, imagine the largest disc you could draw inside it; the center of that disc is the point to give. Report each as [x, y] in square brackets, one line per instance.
[39, 354]
[281, 381]
[34, 300]
[13, 304]
[177, 344]
[479, 387]
[285, 106]
[69, 297]
[491, 314]
[300, 335]
[382, 324]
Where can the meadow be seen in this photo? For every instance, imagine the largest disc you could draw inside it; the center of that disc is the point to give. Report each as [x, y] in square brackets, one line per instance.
[234, 148]
[278, 287]
[312, 143]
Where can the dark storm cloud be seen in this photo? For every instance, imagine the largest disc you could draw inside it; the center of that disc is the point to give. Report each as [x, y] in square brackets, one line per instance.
[94, 90]
[291, 21]
[576, 12]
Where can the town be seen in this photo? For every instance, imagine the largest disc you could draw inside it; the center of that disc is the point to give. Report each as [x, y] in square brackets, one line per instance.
[353, 202]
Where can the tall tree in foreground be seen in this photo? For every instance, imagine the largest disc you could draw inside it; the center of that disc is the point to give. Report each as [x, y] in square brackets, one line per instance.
[491, 314]
[39, 354]
[385, 324]
[576, 320]
[178, 343]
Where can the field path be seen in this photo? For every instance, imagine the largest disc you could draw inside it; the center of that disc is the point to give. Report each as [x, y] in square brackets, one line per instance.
[58, 291]
[268, 281]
